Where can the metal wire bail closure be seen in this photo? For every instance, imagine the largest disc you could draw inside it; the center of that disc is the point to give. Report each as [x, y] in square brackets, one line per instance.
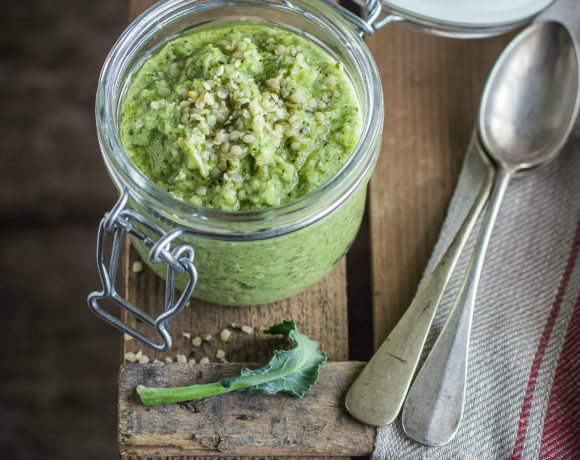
[373, 20]
[179, 260]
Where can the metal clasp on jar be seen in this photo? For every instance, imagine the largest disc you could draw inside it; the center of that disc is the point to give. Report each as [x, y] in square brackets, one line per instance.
[119, 221]
[379, 13]
[372, 20]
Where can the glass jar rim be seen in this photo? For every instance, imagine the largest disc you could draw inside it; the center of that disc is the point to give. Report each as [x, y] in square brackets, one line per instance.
[260, 223]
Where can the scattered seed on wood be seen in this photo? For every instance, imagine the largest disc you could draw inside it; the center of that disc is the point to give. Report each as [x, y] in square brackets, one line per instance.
[191, 361]
[206, 337]
[196, 341]
[187, 335]
[137, 267]
[156, 361]
[225, 335]
[138, 355]
[144, 359]
[247, 329]
[127, 336]
[204, 360]
[182, 359]
[168, 360]
[220, 354]
[130, 356]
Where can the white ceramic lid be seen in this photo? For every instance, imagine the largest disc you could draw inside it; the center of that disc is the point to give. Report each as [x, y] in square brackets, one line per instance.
[469, 13]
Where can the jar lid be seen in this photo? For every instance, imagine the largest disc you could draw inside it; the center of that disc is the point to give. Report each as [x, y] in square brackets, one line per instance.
[469, 13]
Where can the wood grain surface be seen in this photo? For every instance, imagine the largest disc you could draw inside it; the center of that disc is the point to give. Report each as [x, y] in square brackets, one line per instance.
[432, 87]
[240, 423]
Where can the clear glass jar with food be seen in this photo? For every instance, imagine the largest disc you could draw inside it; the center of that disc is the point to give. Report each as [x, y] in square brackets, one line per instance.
[230, 253]
[233, 257]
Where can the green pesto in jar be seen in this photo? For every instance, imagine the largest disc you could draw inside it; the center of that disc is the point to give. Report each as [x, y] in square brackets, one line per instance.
[240, 116]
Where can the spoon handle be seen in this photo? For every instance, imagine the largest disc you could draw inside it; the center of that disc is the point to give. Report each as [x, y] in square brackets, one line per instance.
[376, 396]
[434, 405]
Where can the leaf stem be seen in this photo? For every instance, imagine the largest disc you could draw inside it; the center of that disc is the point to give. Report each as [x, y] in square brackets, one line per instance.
[152, 396]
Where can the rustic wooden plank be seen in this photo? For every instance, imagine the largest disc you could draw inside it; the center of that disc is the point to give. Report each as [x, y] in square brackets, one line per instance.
[432, 87]
[182, 457]
[238, 423]
[228, 457]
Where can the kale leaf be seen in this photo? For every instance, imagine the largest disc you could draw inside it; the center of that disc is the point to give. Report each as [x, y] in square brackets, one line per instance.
[290, 371]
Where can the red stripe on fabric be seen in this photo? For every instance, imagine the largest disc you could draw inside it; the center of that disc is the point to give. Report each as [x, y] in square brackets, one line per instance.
[561, 437]
[543, 343]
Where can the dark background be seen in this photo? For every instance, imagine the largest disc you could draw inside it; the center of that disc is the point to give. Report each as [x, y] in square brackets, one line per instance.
[58, 375]
[59, 367]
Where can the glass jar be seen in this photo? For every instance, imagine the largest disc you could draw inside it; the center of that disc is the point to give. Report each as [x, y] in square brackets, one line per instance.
[232, 258]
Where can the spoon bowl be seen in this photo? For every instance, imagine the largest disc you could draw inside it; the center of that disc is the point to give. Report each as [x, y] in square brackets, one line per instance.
[530, 97]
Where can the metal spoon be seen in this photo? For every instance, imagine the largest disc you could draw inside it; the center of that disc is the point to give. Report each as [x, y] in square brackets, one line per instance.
[377, 394]
[526, 113]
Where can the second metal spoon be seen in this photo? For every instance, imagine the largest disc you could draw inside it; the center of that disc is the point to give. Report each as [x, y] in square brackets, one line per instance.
[377, 394]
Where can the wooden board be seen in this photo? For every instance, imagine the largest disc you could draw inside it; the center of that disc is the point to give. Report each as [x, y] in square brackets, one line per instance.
[432, 87]
[246, 424]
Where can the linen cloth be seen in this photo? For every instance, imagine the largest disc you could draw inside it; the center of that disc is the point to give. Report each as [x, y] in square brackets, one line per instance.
[523, 386]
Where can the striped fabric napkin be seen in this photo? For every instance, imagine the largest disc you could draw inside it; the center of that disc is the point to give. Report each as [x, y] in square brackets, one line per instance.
[523, 390]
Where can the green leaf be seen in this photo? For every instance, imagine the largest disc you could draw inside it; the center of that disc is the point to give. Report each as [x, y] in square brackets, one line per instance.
[290, 371]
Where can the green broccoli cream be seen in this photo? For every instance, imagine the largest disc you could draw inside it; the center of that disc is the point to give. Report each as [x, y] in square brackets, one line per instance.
[245, 116]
